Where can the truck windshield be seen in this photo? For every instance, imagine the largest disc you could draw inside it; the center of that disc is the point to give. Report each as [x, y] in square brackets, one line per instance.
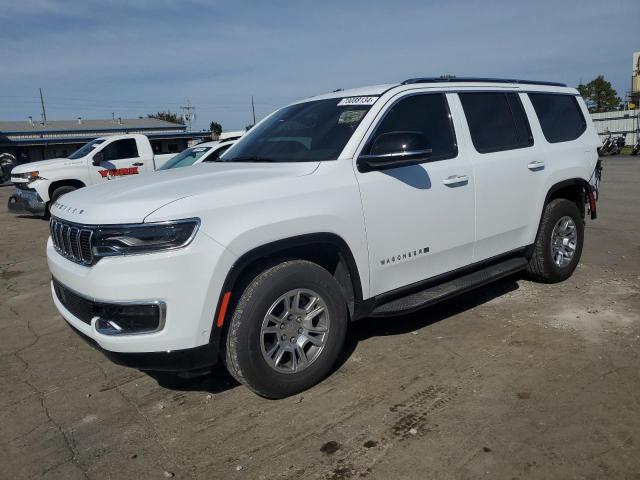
[185, 158]
[85, 149]
[306, 132]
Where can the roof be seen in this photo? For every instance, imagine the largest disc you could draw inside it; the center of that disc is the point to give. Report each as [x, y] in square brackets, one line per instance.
[9, 127]
[448, 82]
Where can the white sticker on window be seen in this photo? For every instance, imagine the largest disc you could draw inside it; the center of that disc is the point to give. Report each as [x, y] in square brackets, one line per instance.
[357, 101]
[200, 149]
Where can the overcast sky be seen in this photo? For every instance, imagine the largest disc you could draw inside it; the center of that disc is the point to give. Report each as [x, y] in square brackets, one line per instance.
[133, 57]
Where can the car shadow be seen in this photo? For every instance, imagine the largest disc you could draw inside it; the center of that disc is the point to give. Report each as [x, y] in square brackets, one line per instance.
[218, 380]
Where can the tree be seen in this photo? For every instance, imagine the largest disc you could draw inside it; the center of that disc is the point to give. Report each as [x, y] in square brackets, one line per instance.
[216, 129]
[167, 116]
[599, 95]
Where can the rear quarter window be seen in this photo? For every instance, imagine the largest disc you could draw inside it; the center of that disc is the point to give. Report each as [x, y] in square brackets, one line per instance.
[560, 116]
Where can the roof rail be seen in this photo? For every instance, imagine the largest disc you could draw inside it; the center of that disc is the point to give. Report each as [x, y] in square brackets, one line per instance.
[451, 78]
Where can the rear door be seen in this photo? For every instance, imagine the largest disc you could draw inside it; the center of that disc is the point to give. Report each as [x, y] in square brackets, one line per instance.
[420, 218]
[119, 158]
[509, 172]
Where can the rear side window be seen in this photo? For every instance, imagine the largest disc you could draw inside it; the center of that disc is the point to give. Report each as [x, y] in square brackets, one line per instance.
[497, 121]
[119, 149]
[427, 114]
[560, 116]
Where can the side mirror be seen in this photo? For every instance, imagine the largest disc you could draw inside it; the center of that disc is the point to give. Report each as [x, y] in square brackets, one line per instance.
[98, 158]
[395, 149]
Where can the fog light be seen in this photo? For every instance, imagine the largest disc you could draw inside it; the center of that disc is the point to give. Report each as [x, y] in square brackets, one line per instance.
[130, 319]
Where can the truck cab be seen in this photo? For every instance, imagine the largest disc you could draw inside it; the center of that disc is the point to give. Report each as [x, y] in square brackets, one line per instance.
[104, 159]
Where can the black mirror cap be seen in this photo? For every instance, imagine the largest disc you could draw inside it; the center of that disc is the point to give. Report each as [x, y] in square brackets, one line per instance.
[98, 158]
[399, 142]
[395, 149]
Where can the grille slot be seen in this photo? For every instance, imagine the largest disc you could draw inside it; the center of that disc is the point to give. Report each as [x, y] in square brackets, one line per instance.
[80, 307]
[71, 241]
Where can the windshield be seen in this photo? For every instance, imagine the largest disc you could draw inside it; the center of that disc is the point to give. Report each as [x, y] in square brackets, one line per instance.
[305, 132]
[185, 158]
[85, 149]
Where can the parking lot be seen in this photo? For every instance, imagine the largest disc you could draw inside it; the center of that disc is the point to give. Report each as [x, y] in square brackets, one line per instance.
[515, 380]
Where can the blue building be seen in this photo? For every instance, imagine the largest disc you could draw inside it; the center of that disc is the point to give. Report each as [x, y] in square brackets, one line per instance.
[30, 141]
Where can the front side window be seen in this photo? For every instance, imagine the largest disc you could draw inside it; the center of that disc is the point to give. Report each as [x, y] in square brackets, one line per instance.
[425, 114]
[497, 121]
[560, 116]
[85, 149]
[185, 158]
[305, 132]
[215, 156]
[121, 149]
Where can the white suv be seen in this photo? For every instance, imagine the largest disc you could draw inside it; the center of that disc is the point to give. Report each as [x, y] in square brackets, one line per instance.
[369, 202]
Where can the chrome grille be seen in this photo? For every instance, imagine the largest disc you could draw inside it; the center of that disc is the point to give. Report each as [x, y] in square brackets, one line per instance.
[71, 241]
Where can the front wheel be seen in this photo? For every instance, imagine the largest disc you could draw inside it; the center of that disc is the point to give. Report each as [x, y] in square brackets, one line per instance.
[559, 243]
[287, 330]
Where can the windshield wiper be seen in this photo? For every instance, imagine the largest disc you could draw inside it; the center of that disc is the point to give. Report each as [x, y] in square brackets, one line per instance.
[250, 158]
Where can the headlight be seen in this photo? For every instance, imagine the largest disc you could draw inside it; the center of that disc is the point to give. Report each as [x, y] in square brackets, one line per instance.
[143, 238]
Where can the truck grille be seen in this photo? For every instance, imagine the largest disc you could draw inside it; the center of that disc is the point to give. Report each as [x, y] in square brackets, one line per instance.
[71, 241]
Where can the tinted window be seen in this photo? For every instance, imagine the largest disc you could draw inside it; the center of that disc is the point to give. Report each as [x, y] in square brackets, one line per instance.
[427, 114]
[497, 121]
[117, 150]
[560, 116]
[216, 155]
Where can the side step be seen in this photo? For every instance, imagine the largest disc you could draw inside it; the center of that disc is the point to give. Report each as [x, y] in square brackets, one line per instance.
[451, 288]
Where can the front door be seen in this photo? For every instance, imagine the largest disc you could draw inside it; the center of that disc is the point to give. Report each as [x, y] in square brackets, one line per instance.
[420, 218]
[119, 158]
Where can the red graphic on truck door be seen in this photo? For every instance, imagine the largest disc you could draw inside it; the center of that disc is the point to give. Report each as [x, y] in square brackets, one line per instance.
[118, 172]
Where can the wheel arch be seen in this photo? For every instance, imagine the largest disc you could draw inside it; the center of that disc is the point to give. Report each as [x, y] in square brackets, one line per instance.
[328, 250]
[64, 183]
[575, 189]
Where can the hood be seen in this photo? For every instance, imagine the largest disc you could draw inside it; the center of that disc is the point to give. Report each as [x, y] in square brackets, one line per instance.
[131, 199]
[43, 165]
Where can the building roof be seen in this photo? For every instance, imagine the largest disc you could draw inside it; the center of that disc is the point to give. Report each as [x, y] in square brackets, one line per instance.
[9, 127]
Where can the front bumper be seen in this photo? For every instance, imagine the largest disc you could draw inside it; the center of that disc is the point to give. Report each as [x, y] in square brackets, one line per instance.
[26, 202]
[188, 281]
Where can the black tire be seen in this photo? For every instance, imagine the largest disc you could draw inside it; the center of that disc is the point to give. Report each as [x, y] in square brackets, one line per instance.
[57, 193]
[243, 353]
[542, 266]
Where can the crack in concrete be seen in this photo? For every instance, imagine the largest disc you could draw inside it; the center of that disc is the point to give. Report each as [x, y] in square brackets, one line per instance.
[67, 441]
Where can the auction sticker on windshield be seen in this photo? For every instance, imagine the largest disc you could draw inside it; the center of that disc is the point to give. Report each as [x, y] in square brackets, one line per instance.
[357, 101]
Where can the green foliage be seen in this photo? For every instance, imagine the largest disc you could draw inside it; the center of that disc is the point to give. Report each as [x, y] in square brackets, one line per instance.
[599, 95]
[216, 129]
[167, 116]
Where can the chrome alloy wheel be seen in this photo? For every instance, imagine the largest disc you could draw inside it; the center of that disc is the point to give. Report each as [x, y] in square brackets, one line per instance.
[294, 330]
[564, 240]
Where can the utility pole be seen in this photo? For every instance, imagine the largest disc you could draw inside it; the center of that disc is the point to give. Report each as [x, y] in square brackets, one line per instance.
[253, 109]
[44, 113]
[187, 115]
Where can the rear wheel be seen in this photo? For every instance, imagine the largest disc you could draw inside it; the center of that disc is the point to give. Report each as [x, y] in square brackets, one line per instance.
[559, 243]
[287, 330]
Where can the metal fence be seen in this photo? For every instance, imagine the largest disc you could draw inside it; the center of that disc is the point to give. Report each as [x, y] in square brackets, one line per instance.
[620, 122]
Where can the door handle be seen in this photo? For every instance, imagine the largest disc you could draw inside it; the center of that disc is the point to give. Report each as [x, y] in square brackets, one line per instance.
[138, 164]
[456, 180]
[537, 165]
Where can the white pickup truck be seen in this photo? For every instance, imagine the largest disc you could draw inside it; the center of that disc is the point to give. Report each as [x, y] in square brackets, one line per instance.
[39, 184]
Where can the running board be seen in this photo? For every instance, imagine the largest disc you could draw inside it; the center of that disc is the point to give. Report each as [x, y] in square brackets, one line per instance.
[451, 288]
